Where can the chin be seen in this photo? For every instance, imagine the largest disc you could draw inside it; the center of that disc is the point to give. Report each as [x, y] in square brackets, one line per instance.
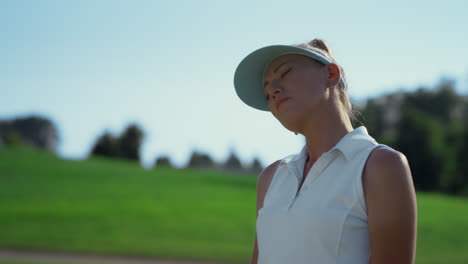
[290, 120]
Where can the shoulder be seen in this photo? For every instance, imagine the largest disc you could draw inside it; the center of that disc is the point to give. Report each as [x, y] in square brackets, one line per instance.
[386, 168]
[264, 180]
[391, 206]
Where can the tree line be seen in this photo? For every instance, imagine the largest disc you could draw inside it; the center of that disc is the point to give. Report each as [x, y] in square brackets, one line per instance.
[128, 144]
[428, 125]
[41, 133]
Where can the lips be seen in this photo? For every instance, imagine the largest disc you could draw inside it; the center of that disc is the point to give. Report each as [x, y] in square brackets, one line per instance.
[281, 101]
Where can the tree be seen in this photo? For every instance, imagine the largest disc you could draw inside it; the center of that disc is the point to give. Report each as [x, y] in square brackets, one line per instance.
[106, 145]
[36, 131]
[255, 167]
[130, 142]
[233, 163]
[126, 146]
[429, 126]
[458, 182]
[12, 138]
[421, 139]
[440, 103]
[200, 160]
[373, 114]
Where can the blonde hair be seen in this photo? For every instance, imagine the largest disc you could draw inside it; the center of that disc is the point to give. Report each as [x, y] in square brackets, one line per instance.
[321, 47]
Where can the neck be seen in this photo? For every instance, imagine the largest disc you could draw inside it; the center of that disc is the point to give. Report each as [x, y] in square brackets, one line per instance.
[322, 134]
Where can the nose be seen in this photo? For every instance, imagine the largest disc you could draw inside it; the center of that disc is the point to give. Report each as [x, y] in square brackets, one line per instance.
[274, 89]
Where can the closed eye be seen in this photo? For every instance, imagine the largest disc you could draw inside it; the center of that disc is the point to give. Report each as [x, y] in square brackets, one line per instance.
[286, 72]
[282, 76]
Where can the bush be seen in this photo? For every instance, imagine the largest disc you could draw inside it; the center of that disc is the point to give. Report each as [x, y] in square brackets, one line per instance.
[163, 161]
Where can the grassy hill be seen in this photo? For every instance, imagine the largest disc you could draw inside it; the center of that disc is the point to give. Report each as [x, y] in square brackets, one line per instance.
[116, 207]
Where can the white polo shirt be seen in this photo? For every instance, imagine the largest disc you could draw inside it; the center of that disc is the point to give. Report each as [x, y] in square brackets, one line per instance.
[326, 222]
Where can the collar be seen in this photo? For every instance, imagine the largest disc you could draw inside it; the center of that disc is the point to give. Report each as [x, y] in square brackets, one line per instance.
[348, 145]
[354, 141]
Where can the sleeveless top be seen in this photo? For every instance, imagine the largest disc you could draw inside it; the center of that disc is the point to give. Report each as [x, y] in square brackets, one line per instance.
[326, 221]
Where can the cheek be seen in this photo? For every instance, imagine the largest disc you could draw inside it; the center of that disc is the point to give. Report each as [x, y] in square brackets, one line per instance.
[302, 88]
[301, 80]
[313, 87]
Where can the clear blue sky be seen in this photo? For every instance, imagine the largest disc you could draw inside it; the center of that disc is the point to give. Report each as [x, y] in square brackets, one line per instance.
[92, 66]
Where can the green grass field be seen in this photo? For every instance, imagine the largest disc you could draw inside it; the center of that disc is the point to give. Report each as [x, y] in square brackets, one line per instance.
[116, 207]
[27, 262]
[41, 262]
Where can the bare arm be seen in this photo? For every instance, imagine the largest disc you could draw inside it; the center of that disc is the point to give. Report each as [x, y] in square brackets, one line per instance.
[391, 207]
[264, 180]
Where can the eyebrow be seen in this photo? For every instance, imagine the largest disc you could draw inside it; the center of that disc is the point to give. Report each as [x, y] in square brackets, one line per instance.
[279, 66]
[275, 70]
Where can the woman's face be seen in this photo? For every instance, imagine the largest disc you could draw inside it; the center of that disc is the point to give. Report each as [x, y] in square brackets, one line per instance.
[294, 86]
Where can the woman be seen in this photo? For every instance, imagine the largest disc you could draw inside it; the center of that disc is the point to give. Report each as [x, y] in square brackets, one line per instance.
[344, 198]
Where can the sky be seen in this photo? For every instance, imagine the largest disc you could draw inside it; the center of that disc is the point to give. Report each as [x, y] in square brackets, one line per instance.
[168, 66]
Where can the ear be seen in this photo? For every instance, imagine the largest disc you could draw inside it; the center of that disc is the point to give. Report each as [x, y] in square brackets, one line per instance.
[333, 74]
